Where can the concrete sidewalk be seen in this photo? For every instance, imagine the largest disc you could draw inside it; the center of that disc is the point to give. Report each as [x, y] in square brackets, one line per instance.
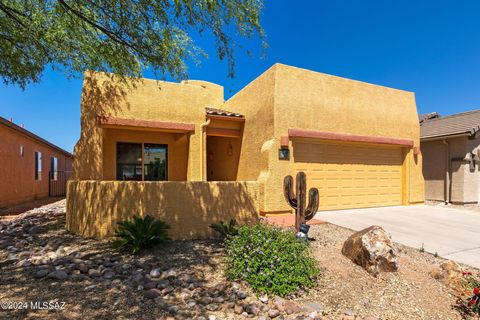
[452, 233]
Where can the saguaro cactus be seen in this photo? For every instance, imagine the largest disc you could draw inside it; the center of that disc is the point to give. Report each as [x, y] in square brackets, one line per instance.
[298, 201]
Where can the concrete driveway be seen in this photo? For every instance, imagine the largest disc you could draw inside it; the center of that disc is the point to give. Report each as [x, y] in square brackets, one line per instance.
[452, 233]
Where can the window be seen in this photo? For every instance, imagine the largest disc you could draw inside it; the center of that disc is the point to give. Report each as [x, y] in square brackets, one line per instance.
[141, 161]
[155, 162]
[53, 168]
[22, 151]
[38, 165]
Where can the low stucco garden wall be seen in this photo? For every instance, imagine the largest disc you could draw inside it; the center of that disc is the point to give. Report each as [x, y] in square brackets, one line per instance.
[95, 207]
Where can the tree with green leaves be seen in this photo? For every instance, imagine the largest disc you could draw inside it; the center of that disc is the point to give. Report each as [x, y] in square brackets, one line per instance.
[124, 37]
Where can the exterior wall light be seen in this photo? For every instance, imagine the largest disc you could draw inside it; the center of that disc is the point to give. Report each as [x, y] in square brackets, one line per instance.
[283, 154]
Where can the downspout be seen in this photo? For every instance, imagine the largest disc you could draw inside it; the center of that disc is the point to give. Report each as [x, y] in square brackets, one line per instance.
[446, 190]
[203, 143]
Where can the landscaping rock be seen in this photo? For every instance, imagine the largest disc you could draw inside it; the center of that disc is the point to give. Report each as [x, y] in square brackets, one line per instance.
[168, 274]
[450, 273]
[150, 285]
[212, 307]
[167, 290]
[241, 294]
[58, 275]
[94, 273]
[173, 309]
[372, 249]
[252, 308]
[41, 273]
[155, 273]
[160, 302]
[238, 309]
[163, 284]
[152, 293]
[273, 313]
[291, 307]
[82, 267]
[279, 303]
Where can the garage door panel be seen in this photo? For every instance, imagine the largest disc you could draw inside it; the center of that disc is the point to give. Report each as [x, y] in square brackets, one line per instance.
[351, 176]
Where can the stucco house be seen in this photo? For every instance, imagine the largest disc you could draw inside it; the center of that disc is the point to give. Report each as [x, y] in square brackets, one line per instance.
[181, 152]
[31, 167]
[451, 148]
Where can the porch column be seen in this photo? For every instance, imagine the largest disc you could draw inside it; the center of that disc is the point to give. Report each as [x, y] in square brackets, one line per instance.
[195, 155]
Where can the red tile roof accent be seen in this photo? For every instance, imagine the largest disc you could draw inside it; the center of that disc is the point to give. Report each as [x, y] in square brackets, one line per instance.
[301, 133]
[173, 126]
[221, 112]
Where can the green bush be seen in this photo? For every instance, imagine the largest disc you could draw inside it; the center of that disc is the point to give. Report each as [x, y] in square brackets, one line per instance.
[225, 230]
[141, 233]
[270, 259]
[473, 301]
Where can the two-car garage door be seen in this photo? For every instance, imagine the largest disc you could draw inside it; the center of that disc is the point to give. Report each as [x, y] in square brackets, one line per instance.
[351, 175]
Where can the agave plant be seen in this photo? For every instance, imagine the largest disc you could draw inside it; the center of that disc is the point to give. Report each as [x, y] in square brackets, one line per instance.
[225, 229]
[141, 233]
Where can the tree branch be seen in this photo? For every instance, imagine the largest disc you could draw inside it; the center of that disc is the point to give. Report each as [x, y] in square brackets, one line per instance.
[8, 11]
[112, 35]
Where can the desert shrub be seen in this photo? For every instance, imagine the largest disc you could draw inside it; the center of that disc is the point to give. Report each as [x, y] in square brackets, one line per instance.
[270, 259]
[473, 301]
[141, 233]
[225, 230]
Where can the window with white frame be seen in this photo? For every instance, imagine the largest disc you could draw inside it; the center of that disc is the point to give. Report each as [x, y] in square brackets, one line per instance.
[38, 165]
[54, 168]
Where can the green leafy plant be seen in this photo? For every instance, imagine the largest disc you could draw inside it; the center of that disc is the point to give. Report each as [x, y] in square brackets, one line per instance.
[473, 301]
[225, 230]
[141, 233]
[270, 259]
[123, 37]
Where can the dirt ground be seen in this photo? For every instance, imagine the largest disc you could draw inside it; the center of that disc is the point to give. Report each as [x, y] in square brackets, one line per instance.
[410, 293]
[345, 291]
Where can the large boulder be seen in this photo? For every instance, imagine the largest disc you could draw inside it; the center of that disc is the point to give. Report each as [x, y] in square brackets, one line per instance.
[372, 249]
[450, 273]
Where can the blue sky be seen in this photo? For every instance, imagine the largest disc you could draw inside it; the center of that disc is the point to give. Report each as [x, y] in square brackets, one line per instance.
[429, 47]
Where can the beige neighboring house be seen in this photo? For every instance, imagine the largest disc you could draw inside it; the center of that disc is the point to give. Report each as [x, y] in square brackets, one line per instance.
[450, 148]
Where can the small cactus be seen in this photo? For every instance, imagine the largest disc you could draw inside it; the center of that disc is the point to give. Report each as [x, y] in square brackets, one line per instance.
[298, 201]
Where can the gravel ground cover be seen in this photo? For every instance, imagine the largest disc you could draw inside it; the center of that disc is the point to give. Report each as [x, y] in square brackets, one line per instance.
[46, 272]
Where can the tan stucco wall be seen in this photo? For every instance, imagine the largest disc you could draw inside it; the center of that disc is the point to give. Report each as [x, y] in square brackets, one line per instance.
[255, 102]
[188, 207]
[282, 97]
[289, 97]
[149, 100]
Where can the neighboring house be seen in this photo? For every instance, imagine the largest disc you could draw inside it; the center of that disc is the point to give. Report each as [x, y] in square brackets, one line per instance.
[450, 149]
[27, 161]
[358, 144]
